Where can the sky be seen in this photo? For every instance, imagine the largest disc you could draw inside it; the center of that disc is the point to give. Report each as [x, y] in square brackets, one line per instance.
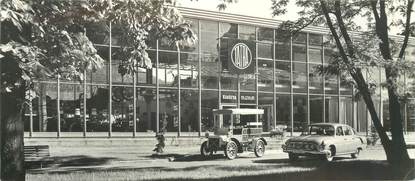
[257, 8]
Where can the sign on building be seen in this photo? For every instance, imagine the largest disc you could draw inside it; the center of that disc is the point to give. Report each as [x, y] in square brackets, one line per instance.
[240, 56]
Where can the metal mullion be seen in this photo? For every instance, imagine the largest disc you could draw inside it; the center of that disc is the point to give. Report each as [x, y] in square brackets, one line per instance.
[324, 85]
[134, 100]
[238, 93]
[199, 83]
[308, 77]
[291, 88]
[84, 104]
[219, 69]
[274, 97]
[110, 80]
[256, 74]
[179, 93]
[338, 98]
[157, 86]
[58, 107]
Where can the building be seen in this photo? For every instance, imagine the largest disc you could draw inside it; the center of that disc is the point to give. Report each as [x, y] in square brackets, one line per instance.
[184, 85]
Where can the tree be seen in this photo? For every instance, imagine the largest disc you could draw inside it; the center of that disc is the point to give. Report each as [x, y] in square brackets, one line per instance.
[355, 55]
[47, 38]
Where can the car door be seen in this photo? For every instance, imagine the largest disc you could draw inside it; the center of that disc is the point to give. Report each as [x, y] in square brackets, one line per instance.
[349, 139]
[356, 141]
[341, 141]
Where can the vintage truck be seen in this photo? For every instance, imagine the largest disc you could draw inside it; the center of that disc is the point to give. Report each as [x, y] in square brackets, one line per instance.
[234, 136]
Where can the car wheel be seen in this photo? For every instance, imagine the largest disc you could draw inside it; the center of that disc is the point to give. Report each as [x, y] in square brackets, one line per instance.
[329, 156]
[204, 150]
[355, 154]
[231, 150]
[259, 148]
[292, 157]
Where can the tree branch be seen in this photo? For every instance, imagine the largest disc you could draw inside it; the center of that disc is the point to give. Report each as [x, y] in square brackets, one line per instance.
[343, 28]
[407, 28]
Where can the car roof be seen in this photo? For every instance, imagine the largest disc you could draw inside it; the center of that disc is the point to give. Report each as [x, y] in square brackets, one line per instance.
[240, 111]
[329, 124]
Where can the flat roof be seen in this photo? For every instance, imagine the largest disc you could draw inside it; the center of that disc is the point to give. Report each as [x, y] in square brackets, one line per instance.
[240, 111]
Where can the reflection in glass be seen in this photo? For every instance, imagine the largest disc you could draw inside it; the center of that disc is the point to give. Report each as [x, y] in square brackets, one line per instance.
[189, 116]
[265, 34]
[332, 109]
[265, 101]
[265, 77]
[189, 65]
[209, 102]
[299, 53]
[71, 100]
[300, 112]
[209, 36]
[283, 110]
[264, 50]
[300, 77]
[97, 107]
[346, 110]
[43, 108]
[167, 69]
[331, 86]
[169, 114]
[315, 39]
[228, 30]
[316, 79]
[315, 55]
[246, 32]
[122, 109]
[316, 109]
[282, 51]
[300, 38]
[282, 76]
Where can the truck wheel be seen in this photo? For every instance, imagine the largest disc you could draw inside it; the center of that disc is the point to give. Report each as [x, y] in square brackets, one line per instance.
[204, 150]
[292, 157]
[259, 148]
[231, 150]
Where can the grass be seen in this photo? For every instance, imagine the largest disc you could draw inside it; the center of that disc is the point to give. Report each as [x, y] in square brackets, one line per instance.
[272, 169]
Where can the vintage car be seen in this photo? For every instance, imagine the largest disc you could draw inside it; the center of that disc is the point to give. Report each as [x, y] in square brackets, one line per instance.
[325, 140]
[235, 131]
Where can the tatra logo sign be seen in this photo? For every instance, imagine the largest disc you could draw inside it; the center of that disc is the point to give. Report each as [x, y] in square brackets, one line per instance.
[241, 56]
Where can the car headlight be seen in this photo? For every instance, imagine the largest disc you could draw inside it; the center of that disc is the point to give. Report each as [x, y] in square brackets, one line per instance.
[206, 135]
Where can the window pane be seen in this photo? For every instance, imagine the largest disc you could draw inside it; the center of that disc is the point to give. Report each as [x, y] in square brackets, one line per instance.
[99, 75]
[71, 114]
[282, 76]
[316, 109]
[300, 77]
[265, 34]
[346, 111]
[209, 36]
[315, 39]
[209, 72]
[300, 112]
[169, 115]
[44, 108]
[246, 32]
[265, 101]
[97, 108]
[283, 110]
[300, 38]
[209, 102]
[122, 109]
[299, 53]
[332, 109]
[282, 51]
[247, 82]
[264, 50]
[117, 63]
[228, 30]
[189, 70]
[228, 81]
[315, 55]
[189, 107]
[331, 85]
[167, 69]
[265, 78]
[146, 109]
[316, 80]
[98, 33]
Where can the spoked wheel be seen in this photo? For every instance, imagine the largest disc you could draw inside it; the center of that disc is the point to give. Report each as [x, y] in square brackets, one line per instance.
[204, 150]
[329, 156]
[259, 148]
[292, 157]
[356, 154]
[231, 150]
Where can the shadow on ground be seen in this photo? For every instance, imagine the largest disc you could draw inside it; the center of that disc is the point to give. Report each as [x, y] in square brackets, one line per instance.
[68, 161]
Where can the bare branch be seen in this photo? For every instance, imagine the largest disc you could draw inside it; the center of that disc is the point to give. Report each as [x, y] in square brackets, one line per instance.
[407, 28]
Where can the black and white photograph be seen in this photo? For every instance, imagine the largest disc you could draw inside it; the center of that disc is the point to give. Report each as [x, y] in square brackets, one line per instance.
[207, 90]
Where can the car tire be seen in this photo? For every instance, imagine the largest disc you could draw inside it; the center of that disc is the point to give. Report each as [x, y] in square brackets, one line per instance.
[231, 150]
[204, 150]
[329, 156]
[356, 154]
[259, 149]
[292, 157]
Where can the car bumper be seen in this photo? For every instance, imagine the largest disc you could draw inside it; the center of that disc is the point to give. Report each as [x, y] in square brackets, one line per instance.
[304, 152]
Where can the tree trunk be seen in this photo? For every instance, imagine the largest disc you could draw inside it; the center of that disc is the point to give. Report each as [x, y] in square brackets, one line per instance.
[12, 154]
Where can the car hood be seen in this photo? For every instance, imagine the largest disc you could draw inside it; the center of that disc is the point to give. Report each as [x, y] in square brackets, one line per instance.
[310, 138]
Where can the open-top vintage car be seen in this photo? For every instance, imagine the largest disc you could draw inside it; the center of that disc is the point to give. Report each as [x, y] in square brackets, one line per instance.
[235, 131]
[325, 140]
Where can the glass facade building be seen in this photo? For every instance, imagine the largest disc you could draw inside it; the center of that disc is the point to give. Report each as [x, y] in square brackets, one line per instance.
[184, 85]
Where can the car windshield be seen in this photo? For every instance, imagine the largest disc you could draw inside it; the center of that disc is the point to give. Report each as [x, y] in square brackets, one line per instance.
[324, 130]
